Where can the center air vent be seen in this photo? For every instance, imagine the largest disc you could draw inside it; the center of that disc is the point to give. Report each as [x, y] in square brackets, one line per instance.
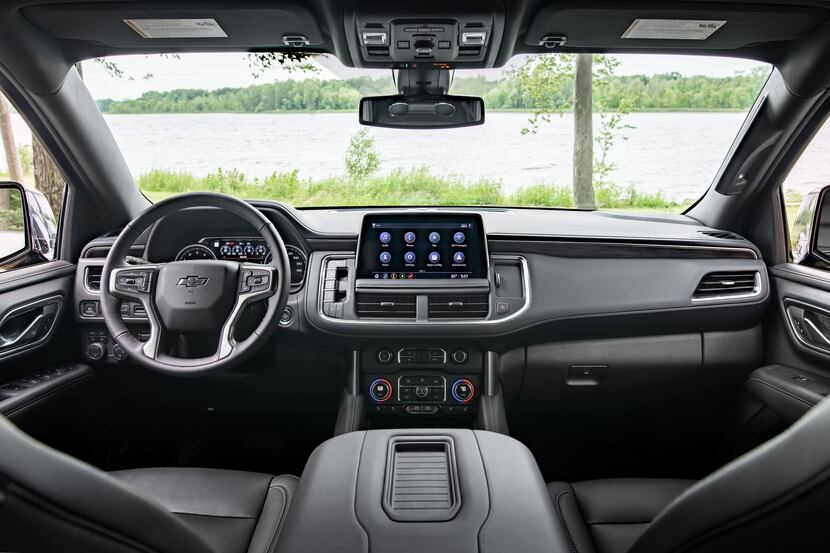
[474, 306]
[386, 306]
[93, 278]
[727, 285]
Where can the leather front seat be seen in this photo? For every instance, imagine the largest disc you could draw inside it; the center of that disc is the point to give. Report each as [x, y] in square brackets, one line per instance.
[775, 498]
[52, 502]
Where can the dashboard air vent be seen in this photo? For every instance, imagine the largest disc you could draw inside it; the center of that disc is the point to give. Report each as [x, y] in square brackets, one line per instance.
[727, 284]
[93, 278]
[475, 306]
[722, 234]
[386, 306]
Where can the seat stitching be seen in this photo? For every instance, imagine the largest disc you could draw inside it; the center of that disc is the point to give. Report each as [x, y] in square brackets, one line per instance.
[211, 516]
[562, 522]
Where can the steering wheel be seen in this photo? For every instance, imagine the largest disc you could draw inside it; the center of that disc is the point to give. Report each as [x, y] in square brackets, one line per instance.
[205, 298]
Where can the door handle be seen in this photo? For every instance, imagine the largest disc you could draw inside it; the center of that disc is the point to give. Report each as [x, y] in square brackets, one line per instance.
[19, 337]
[28, 325]
[810, 325]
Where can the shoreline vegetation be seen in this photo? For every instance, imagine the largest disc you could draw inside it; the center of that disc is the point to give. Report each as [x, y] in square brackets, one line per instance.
[630, 93]
[399, 187]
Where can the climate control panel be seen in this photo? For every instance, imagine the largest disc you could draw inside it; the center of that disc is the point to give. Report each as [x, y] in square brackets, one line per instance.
[421, 380]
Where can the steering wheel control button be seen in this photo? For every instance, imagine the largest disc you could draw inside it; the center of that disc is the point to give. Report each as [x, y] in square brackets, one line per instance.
[380, 390]
[384, 356]
[133, 281]
[460, 356]
[463, 391]
[255, 280]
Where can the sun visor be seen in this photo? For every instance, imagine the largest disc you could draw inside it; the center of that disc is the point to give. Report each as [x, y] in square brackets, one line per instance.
[233, 25]
[667, 25]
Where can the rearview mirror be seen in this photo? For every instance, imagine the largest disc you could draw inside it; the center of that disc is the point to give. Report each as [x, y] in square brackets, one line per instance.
[421, 112]
[811, 228]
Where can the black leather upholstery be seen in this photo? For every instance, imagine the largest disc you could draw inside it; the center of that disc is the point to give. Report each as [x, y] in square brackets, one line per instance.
[228, 509]
[607, 516]
[774, 498]
[52, 502]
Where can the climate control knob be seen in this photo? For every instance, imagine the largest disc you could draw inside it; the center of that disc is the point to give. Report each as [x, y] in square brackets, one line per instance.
[96, 351]
[380, 390]
[463, 391]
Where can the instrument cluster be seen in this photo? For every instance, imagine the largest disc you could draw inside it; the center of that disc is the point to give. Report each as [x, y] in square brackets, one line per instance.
[249, 249]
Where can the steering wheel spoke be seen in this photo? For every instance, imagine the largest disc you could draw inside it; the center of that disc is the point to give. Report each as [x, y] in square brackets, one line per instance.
[136, 283]
[256, 282]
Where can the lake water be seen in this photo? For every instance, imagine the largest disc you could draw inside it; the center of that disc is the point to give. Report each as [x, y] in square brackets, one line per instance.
[676, 153]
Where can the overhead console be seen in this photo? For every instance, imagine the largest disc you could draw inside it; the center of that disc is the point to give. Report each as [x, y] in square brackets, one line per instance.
[431, 34]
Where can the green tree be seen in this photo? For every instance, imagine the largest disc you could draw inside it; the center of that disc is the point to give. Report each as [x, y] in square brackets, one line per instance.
[361, 157]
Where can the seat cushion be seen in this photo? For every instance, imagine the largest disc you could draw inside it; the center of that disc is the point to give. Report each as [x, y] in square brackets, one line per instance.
[607, 516]
[233, 511]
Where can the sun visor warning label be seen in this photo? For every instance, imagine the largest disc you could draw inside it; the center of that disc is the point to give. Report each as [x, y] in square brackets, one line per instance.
[176, 28]
[672, 29]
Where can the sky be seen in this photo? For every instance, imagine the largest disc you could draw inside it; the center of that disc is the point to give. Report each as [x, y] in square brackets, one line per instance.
[218, 70]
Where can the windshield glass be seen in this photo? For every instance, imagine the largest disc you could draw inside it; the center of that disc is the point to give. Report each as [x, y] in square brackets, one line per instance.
[261, 127]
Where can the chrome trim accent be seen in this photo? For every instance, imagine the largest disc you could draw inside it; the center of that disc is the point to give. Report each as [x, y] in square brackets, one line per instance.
[756, 291]
[603, 242]
[491, 372]
[809, 347]
[25, 308]
[435, 323]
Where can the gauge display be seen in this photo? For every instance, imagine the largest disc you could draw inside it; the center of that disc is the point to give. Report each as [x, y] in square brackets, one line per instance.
[195, 251]
[253, 250]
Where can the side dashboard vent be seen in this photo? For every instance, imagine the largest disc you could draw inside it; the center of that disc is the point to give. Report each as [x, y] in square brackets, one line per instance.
[386, 306]
[93, 278]
[472, 306]
[722, 234]
[727, 284]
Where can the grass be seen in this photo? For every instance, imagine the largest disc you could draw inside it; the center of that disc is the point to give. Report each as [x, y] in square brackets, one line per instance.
[400, 187]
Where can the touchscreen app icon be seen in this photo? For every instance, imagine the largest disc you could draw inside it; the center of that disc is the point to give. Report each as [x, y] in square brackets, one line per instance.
[385, 237]
[459, 237]
[434, 237]
[409, 237]
[434, 257]
[385, 257]
[409, 257]
[458, 257]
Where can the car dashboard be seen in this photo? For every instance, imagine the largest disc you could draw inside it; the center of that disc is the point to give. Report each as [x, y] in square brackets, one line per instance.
[449, 315]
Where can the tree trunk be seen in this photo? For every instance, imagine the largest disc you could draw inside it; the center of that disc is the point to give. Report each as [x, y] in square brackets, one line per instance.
[48, 178]
[9, 145]
[583, 134]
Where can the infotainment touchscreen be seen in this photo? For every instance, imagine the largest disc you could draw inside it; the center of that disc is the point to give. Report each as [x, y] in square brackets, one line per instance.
[419, 246]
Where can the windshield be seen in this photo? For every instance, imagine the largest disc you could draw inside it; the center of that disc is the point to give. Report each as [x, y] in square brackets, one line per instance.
[261, 127]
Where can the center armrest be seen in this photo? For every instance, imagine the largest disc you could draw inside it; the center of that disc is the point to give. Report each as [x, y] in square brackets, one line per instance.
[422, 490]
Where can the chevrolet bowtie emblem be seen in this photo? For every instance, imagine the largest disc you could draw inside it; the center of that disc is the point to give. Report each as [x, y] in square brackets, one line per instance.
[192, 281]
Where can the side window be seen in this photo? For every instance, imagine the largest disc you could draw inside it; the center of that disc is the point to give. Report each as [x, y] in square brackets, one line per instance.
[810, 173]
[26, 161]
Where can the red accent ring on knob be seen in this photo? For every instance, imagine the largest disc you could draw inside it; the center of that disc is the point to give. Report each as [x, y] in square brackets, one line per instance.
[472, 391]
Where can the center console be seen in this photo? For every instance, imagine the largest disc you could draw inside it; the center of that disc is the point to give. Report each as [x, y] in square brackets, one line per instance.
[422, 490]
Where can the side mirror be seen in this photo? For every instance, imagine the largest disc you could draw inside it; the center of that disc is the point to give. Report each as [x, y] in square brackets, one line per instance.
[811, 228]
[440, 111]
[28, 229]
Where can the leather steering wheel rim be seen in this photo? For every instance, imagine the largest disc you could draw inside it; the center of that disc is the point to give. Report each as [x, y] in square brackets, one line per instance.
[229, 352]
